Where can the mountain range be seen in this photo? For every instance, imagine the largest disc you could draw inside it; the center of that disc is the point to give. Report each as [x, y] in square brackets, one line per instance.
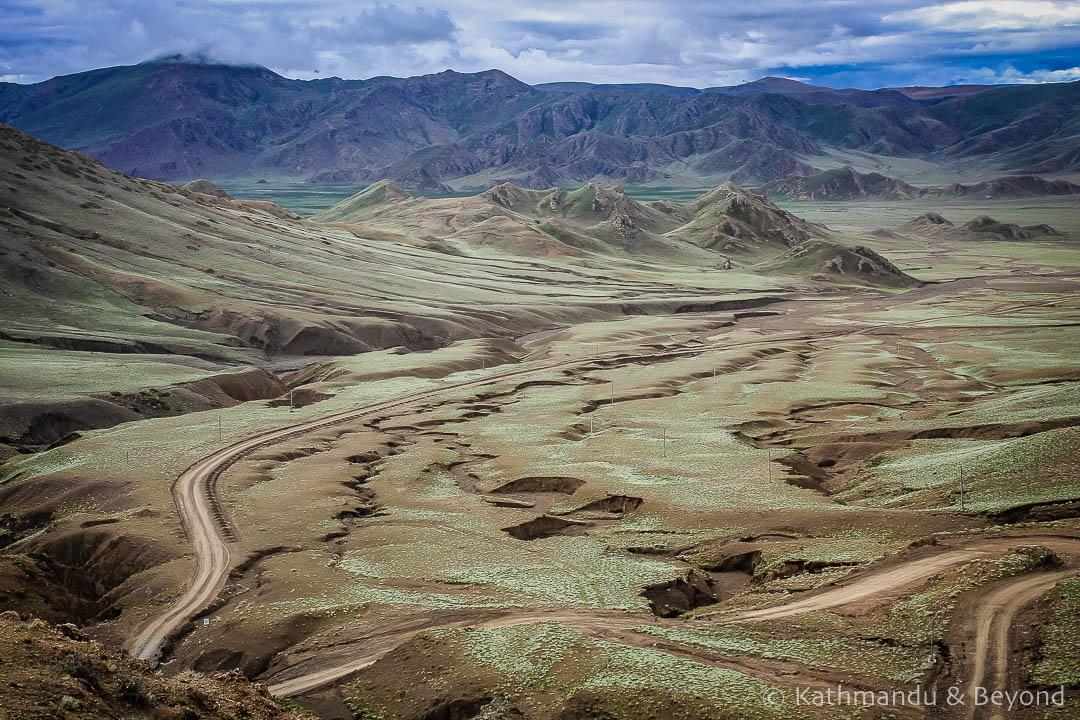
[176, 119]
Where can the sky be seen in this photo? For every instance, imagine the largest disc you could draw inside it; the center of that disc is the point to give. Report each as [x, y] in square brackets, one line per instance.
[698, 43]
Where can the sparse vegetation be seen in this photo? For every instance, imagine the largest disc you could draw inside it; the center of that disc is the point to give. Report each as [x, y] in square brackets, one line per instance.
[1059, 639]
[572, 399]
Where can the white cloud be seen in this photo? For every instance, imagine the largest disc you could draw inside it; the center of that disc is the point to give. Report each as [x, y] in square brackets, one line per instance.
[694, 42]
[969, 15]
[1011, 76]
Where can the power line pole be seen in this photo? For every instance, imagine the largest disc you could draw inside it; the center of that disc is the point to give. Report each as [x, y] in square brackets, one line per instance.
[961, 488]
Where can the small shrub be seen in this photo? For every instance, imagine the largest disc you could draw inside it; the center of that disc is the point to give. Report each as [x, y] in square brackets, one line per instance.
[130, 689]
[116, 393]
[69, 703]
[81, 666]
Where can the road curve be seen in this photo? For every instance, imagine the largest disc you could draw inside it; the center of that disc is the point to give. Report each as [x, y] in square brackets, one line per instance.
[203, 521]
[197, 505]
[880, 582]
[994, 619]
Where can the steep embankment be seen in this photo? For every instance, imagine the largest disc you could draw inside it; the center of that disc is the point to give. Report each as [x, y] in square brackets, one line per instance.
[57, 672]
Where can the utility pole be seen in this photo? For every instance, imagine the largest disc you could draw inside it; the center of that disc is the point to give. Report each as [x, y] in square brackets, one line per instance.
[933, 626]
[961, 488]
[612, 392]
[292, 405]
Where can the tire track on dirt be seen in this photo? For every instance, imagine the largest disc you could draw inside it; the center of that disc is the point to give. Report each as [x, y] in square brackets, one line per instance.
[209, 530]
[892, 580]
[993, 622]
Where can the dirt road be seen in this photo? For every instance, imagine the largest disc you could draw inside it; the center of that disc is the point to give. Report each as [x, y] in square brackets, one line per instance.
[880, 583]
[208, 530]
[993, 622]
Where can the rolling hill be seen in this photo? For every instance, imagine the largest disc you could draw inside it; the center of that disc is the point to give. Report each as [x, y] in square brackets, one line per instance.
[197, 292]
[843, 183]
[589, 220]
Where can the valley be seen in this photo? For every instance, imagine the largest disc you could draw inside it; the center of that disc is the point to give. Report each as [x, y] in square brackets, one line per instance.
[565, 453]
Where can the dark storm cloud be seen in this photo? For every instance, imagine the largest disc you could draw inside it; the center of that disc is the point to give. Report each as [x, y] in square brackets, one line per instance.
[694, 42]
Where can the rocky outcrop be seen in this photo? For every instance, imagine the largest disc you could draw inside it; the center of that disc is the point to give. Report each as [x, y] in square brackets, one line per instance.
[843, 183]
[55, 671]
[734, 219]
[206, 187]
[982, 227]
[1013, 186]
[927, 223]
[833, 263]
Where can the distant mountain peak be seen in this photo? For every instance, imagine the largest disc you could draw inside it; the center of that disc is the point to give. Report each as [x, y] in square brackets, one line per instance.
[774, 81]
[199, 58]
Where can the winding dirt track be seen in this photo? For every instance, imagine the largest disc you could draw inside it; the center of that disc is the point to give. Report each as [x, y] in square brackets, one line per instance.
[205, 525]
[994, 619]
[209, 531]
